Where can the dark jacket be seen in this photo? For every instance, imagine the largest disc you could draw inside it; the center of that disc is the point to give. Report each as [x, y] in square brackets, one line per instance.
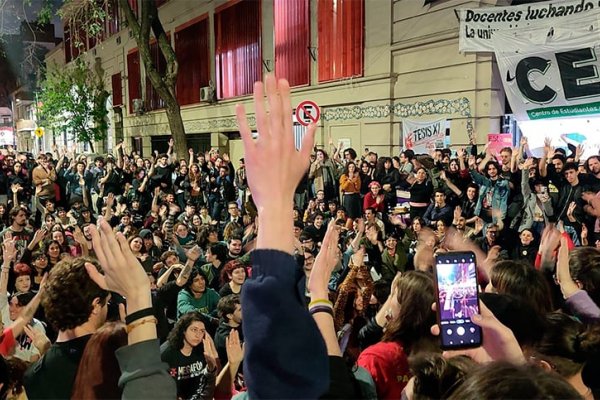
[273, 313]
[222, 333]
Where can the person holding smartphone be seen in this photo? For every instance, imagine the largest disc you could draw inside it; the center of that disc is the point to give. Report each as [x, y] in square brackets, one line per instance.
[406, 334]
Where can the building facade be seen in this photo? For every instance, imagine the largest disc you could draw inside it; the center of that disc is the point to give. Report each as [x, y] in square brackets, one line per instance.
[369, 65]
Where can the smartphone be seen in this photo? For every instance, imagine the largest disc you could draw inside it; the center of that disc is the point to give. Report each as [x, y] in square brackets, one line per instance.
[457, 300]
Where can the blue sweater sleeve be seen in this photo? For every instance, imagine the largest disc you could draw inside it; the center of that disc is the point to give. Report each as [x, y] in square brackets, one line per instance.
[285, 355]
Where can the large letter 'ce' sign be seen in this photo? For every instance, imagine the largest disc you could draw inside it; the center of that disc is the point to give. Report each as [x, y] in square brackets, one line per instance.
[576, 73]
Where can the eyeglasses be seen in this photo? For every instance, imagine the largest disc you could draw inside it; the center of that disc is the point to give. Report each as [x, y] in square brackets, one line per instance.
[197, 330]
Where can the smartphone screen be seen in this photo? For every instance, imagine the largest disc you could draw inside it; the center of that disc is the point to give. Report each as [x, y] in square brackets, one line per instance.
[457, 300]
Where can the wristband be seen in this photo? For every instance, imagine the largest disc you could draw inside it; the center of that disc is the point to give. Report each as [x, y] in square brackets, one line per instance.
[141, 322]
[146, 312]
[324, 302]
[320, 309]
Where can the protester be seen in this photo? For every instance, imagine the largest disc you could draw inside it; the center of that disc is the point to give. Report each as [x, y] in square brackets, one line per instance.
[275, 259]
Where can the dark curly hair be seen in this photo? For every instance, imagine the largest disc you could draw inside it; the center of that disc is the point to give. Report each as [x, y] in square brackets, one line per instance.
[70, 293]
[177, 334]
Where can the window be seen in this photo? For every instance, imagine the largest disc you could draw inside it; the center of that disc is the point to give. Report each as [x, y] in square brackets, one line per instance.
[113, 17]
[133, 78]
[134, 6]
[341, 29]
[191, 49]
[292, 39]
[238, 51]
[153, 100]
[67, 43]
[117, 89]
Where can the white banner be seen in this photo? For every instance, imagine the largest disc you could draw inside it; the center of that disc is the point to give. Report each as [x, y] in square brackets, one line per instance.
[422, 137]
[478, 26]
[551, 76]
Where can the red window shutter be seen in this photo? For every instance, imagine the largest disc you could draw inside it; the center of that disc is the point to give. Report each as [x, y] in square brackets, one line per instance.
[113, 21]
[341, 39]
[153, 100]
[117, 89]
[134, 6]
[192, 51]
[238, 48]
[133, 78]
[67, 43]
[292, 39]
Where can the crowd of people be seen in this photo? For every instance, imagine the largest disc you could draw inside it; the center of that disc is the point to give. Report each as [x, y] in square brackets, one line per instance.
[299, 274]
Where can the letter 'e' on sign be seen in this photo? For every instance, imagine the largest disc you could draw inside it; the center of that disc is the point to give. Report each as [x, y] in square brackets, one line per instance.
[307, 112]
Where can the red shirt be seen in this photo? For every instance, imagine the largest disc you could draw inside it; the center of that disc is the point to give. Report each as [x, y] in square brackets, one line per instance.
[7, 342]
[371, 202]
[388, 365]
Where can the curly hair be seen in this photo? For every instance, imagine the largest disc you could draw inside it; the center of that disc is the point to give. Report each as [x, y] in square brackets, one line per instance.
[177, 334]
[70, 293]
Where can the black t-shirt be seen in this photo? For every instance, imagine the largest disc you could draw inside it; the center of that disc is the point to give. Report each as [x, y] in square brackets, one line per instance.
[53, 376]
[186, 371]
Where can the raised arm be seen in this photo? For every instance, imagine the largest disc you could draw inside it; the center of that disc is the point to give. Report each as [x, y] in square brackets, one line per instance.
[548, 154]
[273, 308]
[449, 183]
[488, 157]
[170, 151]
[525, 188]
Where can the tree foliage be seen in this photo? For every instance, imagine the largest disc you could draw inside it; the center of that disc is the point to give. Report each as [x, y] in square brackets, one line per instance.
[73, 99]
[145, 26]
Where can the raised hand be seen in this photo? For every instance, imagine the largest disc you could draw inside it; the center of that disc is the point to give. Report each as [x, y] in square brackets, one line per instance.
[273, 165]
[123, 272]
[579, 151]
[567, 285]
[39, 235]
[9, 249]
[527, 164]
[235, 350]
[210, 352]
[325, 261]
[472, 161]
[360, 225]
[79, 236]
[443, 176]
[194, 253]
[523, 141]
[38, 338]
[457, 212]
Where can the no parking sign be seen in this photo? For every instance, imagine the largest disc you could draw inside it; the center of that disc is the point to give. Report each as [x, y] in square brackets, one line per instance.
[307, 112]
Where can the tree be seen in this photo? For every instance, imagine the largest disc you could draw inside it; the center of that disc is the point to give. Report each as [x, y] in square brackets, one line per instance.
[92, 14]
[73, 99]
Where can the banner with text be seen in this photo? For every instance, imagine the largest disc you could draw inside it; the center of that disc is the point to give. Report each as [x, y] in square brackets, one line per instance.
[478, 26]
[550, 76]
[422, 137]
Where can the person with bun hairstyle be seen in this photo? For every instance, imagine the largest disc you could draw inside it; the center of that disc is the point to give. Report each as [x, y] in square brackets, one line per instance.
[565, 347]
